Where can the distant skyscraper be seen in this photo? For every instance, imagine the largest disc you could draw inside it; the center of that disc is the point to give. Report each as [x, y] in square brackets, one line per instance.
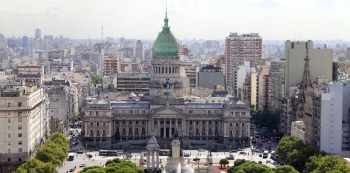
[348, 53]
[240, 48]
[37, 33]
[139, 49]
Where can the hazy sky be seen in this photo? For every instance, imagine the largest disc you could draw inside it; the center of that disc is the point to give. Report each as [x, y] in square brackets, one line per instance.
[207, 19]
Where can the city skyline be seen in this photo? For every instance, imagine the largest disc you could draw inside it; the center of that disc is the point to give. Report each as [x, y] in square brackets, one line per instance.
[272, 19]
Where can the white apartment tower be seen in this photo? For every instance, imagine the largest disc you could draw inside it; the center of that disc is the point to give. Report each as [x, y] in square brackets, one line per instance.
[24, 125]
[240, 48]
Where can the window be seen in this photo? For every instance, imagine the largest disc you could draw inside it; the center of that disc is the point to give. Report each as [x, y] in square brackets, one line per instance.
[19, 127]
[9, 150]
[130, 122]
[9, 120]
[20, 119]
[104, 123]
[92, 123]
[144, 111]
[130, 111]
[19, 134]
[20, 159]
[8, 142]
[98, 123]
[9, 128]
[8, 104]
[19, 104]
[19, 150]
[242, 124]
[236, 124]
[243, 113]
[137, 122]
[143, 122]
[9, 159]
[91, 132]
[190, 111]
[19, 142]
[9, 135]
[123, 122]
[230, 124]
[155, 122]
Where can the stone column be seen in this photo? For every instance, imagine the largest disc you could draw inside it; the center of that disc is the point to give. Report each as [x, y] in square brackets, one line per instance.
[133, 127]
[153, 160]
[201, 128]
[224, 129]
[207, 130]
[164, 130]
[176, 122]
[148, 158]
[158, 122]
[183, 125]
[188, 127]
[157, 161]
[213, 129]
[170, 128]
[194, 128]
[109, 128]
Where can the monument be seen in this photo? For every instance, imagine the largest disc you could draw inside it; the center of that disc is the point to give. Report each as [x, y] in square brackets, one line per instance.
[152, 151]
[175, 162]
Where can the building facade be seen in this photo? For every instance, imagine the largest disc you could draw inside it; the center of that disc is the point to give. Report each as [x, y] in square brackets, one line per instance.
[25, 125]
[128, 124]
[240, 48]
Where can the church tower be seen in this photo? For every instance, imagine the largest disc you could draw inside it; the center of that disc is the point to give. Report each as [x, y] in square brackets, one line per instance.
[165, 73]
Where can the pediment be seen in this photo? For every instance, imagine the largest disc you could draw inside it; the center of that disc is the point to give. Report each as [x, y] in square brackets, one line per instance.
[167, 110]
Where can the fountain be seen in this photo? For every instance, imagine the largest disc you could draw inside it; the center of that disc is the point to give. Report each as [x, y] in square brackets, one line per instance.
[178, 169]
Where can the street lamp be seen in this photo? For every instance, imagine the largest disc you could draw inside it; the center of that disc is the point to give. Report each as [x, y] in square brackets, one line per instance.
[210, 147]
[230, 148]
[129, 147]
[190, 149]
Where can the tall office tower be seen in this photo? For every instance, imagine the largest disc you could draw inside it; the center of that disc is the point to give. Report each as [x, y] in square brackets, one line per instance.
[240, 48]
[139, 49]
[348, 53]
[37, 33]
[295, 52]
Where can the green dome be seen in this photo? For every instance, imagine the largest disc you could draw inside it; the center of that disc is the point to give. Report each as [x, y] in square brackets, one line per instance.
[165, 44]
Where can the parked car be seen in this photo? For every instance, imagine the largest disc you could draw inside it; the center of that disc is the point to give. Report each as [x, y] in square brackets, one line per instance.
[82, 165]
[71, 170]
[196, 159]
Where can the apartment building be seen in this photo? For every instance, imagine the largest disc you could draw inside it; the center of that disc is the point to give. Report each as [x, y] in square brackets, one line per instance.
[31, 75]
[133, 82]
[25, 125]
[111, 65]
[240, 48]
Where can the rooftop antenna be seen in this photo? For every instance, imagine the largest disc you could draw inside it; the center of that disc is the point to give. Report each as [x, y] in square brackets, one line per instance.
[102, 32]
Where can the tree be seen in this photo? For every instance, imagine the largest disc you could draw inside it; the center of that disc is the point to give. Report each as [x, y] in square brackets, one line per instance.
[287, 145]
[95, 79]
[252, 167]
[51, 152]
[35, 165]
[331, 164]
[224, 162]
[114, 166]
[239, 162]
[286, 168]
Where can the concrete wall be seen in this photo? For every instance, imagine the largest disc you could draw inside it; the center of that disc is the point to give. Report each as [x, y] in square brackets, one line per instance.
[320, 63]
[331, 118]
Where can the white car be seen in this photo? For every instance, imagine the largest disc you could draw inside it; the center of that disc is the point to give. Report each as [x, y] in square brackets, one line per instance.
[82, 165]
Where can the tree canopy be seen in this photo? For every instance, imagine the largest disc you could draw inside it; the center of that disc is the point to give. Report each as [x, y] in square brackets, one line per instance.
[265, 118]
[243, 166]
[114, 166]
[95, 79]
[224, 162]
[35, 165]
[332, 164]
[295, 153]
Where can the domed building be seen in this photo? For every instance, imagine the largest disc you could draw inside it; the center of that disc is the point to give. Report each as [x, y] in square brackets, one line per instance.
[221, 124]
[166, 65]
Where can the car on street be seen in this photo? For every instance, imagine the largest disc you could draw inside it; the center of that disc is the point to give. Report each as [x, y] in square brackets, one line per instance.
[268, 142]
[260, 162]
[196, 159]
[231, 157]
[82, 165]
[71, 170]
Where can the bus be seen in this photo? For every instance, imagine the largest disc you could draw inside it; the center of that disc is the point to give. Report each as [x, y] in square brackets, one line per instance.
[108, 152]
[71, 156]
[265, 154]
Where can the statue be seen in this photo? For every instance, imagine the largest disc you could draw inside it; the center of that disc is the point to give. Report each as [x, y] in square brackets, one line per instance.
[176, 134]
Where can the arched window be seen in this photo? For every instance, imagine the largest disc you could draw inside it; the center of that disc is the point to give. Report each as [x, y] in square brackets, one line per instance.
[136, 131]
[124, 131]
[210, 131]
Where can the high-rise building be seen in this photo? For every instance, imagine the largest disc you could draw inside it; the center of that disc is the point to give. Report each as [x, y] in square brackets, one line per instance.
[37, 33]
[24, 125]
[348, 53]
[139, 49]
[209, 76]
[111, 65]
[240, 48]
[321, 65]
